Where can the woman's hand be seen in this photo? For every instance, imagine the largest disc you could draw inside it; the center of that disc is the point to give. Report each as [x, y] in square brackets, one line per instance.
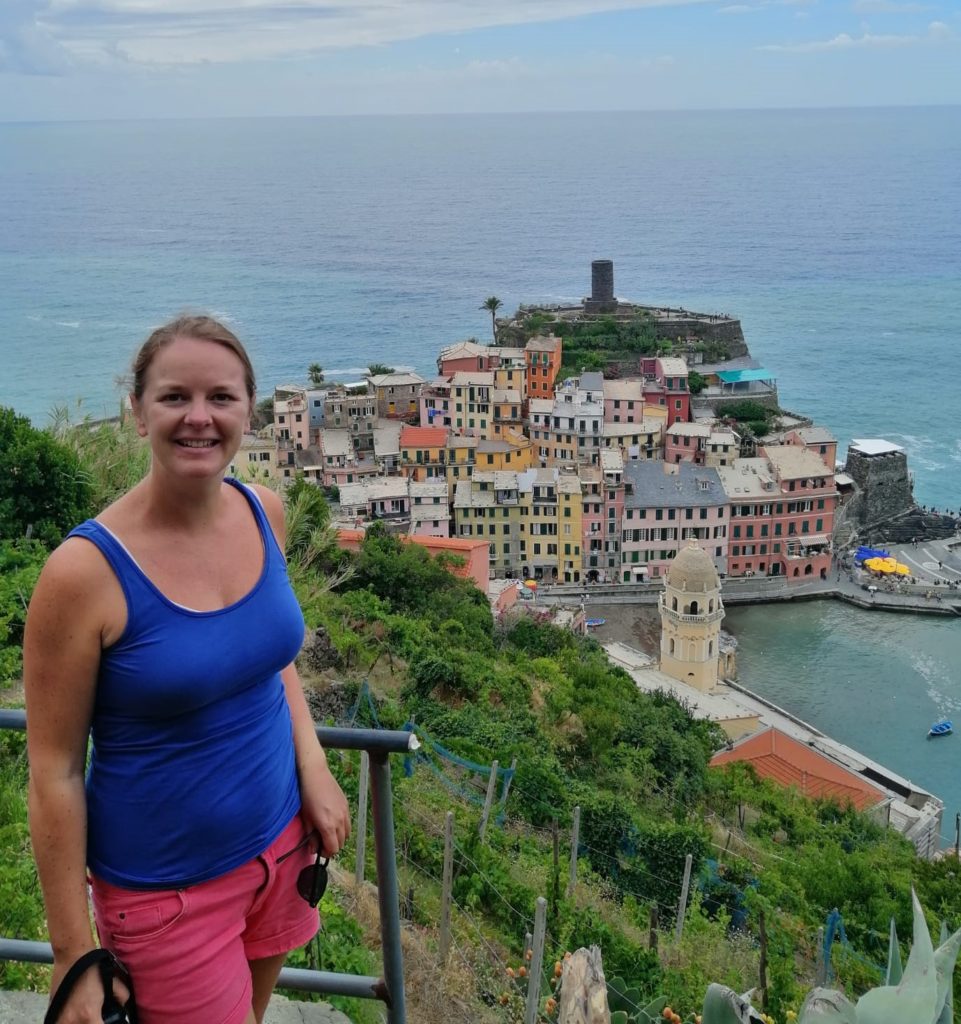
[323, 805]
[85, 1004]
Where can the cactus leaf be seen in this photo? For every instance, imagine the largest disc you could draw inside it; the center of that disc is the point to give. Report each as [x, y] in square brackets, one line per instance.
[724, 1006]
[653, 1008]
[945, 957]
[895, 969]
[826, 1006]
[619, 1017]
[916, 997]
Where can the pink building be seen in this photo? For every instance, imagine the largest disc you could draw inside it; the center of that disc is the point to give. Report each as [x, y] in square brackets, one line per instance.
[686, 442]
[665, 385]
[782, 513]
[817, 440]
[665, 506]
[466, 357]
[623, 401]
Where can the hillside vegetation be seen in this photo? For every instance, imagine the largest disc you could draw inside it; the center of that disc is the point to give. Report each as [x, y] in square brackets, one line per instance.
[582, 735]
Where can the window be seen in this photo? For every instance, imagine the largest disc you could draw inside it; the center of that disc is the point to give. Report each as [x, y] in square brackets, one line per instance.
[737, 531]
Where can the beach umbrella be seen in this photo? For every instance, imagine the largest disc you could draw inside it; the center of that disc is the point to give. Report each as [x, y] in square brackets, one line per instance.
[878, 564]
[530, 584]
[902, 570]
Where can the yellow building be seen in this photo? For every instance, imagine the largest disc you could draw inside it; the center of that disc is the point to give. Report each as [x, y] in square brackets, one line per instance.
[471, 397]
[511, 375]
[461, 459]
[488, 507]
[552, 513]
[423, 452]
[256, 459]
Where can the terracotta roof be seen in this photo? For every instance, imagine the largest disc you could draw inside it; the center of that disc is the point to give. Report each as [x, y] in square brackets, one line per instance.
[784, 760]
[423, 437]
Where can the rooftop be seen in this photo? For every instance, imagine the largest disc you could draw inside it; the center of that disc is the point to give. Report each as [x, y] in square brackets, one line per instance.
[748, 478]
[624, 390]
[463, 350]
[543, 344]
[793, 463]
[672, 366]
[685, 486]
[474, 378]
[873, 446]
[815, 435]
[335, 442]
[689, 430]
[423, 437]
[377, 488]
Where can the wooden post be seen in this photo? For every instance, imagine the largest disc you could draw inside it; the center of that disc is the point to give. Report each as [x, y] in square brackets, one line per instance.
[575, 840]
[488, 801]
[361, 830]
[445, 899]
[652, 925]
[528, 943]
[821, 977]
[584, 989]
[536, 965]
[556, 872]
[762, 960]
[957, 835]
[682, 905]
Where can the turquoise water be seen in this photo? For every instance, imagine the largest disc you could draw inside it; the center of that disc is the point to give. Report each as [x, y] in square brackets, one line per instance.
[874, 681]
[834, 235]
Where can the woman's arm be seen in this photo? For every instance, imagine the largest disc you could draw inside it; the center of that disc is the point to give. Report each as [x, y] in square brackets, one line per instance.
[323, 804]
[61, 653]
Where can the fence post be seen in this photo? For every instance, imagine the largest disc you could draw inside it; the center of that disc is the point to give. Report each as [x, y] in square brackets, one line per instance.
[821, 977]
[584, 989]
[361, 830]
[536, 965]
[447, 885]
[488, 801]
[575, 840]
[682, 905]
[652, 925]
[762, 960]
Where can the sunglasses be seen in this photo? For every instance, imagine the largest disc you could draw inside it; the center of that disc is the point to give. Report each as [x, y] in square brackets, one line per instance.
[312, 880]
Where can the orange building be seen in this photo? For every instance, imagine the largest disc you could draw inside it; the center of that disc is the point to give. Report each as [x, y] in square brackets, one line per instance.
[422, 452]
[543, 365]
[776, 756]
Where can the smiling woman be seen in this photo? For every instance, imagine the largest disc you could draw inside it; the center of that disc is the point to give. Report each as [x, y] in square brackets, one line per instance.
[168, 626]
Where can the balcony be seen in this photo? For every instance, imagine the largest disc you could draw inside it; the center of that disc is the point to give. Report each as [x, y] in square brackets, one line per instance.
[714, 616]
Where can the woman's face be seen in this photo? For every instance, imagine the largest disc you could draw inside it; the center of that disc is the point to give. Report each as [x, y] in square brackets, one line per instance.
[194, 408]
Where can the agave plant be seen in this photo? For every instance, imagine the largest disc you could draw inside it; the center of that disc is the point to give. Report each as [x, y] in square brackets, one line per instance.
[918, 994]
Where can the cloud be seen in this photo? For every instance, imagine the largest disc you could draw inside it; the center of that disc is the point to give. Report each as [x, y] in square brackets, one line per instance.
[888, 7]
[938, 31]
[26, 46]
[163, 33]
[736, 9]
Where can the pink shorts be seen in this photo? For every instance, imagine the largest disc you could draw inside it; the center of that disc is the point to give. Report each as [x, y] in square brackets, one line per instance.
[187, 950]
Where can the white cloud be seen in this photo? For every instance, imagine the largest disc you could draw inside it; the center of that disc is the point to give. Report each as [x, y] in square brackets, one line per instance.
[736, 9]
[163, 33]
[938, 31]
[888, 7]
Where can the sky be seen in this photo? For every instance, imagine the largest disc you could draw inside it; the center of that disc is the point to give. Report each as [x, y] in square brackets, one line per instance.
[104, 59]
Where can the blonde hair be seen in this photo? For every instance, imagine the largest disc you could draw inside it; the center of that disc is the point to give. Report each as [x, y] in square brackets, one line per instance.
[203, 328]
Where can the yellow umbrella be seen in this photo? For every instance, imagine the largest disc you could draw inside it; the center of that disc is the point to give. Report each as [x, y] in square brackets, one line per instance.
[880, 564]
[530, 584]
[902, 570]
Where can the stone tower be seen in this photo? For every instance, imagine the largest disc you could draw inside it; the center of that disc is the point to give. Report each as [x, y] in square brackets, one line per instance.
[691, 612]
[602, 298]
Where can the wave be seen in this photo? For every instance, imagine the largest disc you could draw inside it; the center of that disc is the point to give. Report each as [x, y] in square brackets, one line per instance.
[936, 675]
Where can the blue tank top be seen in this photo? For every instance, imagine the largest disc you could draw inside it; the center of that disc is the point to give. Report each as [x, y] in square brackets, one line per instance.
[192, 771]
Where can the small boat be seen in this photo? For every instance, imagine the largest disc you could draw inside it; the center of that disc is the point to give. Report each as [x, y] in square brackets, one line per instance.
[594, 623]
[942, 728]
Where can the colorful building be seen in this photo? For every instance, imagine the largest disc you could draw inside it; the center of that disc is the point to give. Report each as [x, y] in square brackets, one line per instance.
[396, 394]
[423, 452]
[544, 357]
[665, 506]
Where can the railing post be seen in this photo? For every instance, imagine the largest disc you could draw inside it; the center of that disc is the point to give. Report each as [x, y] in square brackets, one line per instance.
[361, 831]
[387, 893]
[447, 885]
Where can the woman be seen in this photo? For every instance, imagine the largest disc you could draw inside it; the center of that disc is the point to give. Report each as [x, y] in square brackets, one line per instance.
[168, 627]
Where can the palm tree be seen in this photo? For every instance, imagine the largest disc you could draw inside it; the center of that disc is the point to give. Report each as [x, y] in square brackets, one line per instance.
[315, 374]
[492, 305]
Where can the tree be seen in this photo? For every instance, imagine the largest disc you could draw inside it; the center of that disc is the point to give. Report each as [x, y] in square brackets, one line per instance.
[315, 374]
[696, 382]
[378, 369]
[43, 487]
[492, 304]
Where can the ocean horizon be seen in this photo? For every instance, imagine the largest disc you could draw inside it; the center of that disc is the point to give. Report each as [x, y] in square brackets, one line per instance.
[833, 234]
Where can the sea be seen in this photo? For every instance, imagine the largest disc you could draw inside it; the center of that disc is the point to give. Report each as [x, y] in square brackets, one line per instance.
[835, 236]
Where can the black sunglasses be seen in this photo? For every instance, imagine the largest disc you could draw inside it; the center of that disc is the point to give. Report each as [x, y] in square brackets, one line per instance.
[312, 880]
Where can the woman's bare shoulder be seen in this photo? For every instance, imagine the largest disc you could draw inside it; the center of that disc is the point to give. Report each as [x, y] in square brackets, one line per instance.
[75, 570]
[273, 507]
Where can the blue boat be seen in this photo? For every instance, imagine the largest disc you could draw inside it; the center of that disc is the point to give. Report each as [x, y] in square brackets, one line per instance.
[942, 728]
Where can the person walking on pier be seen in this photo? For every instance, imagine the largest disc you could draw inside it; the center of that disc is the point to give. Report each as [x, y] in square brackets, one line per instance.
[167, 626]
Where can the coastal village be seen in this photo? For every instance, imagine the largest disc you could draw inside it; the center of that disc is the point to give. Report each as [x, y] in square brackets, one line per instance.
[630, 484]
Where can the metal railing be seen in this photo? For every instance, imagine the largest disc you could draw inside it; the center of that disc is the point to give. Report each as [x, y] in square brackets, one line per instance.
[379, 744]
